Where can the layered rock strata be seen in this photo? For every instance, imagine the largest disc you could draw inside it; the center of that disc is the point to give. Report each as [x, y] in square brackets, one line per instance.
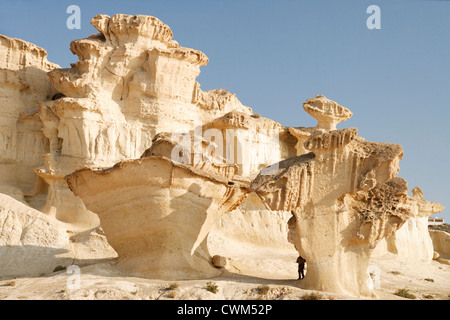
[134, 92]
[413, 239]
[157, 213]
[131, 82]
[31, 243]
[344, 196]
[23, 83]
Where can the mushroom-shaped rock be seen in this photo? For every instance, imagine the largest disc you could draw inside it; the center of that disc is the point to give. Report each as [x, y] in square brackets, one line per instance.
[344, 196]
[157, 213]
[121, 27]
[327, 112]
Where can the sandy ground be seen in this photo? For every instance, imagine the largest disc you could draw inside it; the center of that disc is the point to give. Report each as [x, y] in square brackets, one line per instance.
[248, 267]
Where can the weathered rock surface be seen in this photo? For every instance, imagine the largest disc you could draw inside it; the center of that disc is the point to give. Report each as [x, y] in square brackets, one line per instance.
[327, 112]
[157, 213]
[31, 243]
[254, 225]
[23, 83]
[132, 81]
[413, 239]
[344, 196]
[134, 92]
[441, 245]
[219, 261]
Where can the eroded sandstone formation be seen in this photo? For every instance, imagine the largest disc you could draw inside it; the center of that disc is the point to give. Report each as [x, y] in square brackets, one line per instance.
[131, 82]
[23, 83]
[157, 213]
[344, 196]
[441, 244]
[158, 163]
[413, 239]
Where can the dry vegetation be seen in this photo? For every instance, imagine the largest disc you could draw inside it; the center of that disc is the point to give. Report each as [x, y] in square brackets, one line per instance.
[441, 227]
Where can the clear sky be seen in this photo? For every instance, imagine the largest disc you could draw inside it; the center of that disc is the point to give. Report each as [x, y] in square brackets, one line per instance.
[276, 54]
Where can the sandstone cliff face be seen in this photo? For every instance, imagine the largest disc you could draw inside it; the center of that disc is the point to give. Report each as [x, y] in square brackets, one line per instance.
[23, 83]
[250, 141]
[132, 81]
[441, 244]
[254, 225]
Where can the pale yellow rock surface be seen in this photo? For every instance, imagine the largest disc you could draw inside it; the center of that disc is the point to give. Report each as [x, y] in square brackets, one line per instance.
[413, 239]
[219, 261]
[344, 197]
[132, 81]
[254, 225]
[23, 83]
[134, 91]
[441, 245]
[327, 112]
[157, 213]
[31, 243]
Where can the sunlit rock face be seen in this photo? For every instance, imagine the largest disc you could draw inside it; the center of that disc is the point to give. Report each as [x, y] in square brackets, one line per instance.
[117, 125]
[157, 213]
[131, 82]
[23, 83]
[345, 197]
[31, 243]
[413, 239]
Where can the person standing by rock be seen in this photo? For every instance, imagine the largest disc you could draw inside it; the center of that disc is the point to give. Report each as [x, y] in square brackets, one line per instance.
[301, 267]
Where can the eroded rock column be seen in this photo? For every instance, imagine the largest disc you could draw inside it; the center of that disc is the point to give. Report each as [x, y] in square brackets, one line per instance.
[344, 196]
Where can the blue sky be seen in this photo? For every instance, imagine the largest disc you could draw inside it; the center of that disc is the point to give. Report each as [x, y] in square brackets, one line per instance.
[276, 54]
